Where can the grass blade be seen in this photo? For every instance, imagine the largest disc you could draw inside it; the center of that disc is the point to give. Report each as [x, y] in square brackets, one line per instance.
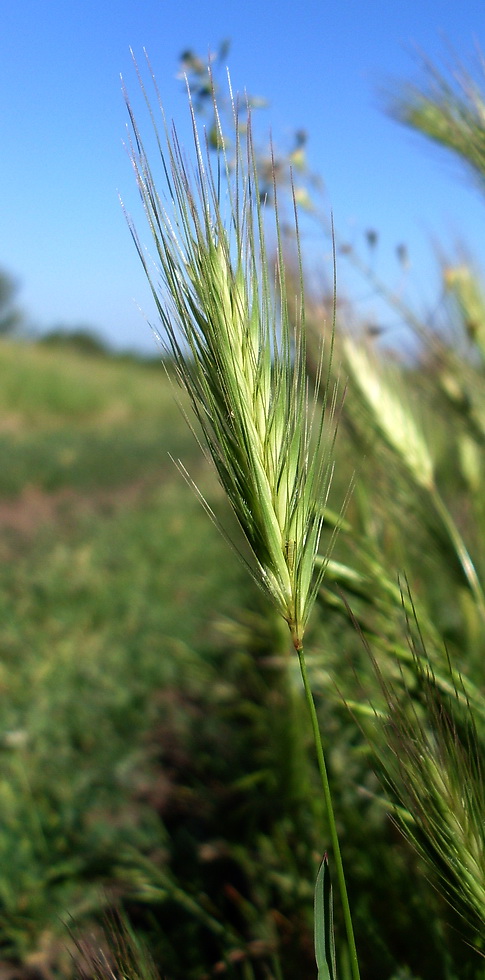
[324, 934]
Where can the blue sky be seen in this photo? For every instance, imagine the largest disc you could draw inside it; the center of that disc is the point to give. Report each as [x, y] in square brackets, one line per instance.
[319, 64]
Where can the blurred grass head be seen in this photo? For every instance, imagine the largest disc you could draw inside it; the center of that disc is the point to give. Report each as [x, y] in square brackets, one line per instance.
[437, 774]
[225, 320]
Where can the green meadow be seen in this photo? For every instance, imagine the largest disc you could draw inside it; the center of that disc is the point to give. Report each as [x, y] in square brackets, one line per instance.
[107, 600]
[155, 751]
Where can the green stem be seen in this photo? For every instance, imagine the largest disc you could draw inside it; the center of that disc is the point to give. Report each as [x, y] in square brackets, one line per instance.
[461, 551]
[331, 819]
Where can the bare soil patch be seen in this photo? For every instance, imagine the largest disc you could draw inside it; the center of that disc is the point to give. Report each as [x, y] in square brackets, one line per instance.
[34, 508]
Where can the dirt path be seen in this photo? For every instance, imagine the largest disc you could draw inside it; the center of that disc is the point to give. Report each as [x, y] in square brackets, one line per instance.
[35, 508]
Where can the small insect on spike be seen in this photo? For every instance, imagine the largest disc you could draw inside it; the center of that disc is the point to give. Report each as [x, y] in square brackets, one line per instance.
[289, 552]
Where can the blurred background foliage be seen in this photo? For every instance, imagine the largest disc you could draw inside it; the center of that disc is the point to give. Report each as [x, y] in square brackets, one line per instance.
[155, 756]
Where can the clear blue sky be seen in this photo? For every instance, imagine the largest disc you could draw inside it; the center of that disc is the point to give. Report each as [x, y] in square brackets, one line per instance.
[319, 63]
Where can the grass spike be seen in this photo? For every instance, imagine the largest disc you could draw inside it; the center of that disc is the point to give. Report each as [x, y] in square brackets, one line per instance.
[240, 359]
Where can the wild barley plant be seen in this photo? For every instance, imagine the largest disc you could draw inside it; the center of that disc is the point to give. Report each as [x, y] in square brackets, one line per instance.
[433, 753]
[389, 413]
[431, 761]
[226, 326]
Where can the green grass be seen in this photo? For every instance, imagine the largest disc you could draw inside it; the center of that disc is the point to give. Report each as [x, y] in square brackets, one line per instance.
[100, 604]
[83, 423]
[154, 748]
[123, 610]
[43, 387]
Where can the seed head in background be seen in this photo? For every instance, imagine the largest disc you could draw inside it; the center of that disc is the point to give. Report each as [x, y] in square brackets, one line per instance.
[226, 324]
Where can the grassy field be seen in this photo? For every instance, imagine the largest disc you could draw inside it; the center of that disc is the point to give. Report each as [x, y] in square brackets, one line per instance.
[105, 589]
[154, 746]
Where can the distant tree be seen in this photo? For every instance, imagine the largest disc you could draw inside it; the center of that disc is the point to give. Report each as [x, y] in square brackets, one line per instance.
[10, 317]
[81, 338]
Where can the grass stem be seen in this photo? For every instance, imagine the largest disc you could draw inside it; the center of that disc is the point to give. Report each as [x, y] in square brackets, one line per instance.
[355, 973]
[461, 551]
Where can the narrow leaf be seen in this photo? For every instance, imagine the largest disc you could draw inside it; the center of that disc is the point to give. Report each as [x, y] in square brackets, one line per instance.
[324, 934]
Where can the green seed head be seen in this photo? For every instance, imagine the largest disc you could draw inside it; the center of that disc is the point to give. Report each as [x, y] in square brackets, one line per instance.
[226, 323]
